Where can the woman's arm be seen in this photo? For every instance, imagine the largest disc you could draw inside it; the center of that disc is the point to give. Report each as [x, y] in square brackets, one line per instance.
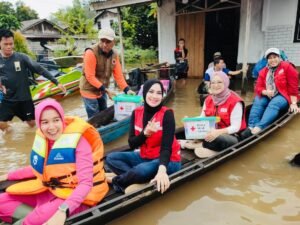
[167, 138]
[235, 121]
[133, 140]
[21, 174]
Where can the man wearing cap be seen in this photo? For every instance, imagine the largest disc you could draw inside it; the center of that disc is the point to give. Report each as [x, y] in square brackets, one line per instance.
[99, 62]
[215, 56]
[276, 90]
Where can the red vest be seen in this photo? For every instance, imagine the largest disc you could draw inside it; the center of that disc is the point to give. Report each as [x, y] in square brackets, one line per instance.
[151, 148]
[224, 110]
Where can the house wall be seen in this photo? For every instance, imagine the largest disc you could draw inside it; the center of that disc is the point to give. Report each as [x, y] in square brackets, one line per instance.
[166, 31]
[42, 28]
[272, 25]
[191, 28]
[105, 20]
[256, 37]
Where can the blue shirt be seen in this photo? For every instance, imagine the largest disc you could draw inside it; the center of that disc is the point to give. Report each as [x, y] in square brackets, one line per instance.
[210, 71]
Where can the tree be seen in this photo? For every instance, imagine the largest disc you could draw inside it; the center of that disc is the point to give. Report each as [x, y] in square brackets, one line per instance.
[24, 12]
[9, 22]
[75, 19]
[77, 22]
[21, 44]
[139, 27]
[7, 8]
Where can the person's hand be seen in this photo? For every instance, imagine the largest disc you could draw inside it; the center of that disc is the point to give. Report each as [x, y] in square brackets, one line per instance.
[269, 93]
[294, 108]
[58, 218]
[62, 88]
[161, 179]
[130, 92]
[3, 177]
[110, 94]
[212, 135]
[151, 128]
[3, 88]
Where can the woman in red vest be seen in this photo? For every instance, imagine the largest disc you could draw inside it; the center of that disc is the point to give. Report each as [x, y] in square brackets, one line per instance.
[276, 91]
[152, 133]
[226, 104]
[66, 152]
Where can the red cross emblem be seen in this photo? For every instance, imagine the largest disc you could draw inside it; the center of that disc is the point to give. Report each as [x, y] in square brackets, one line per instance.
[193, 128]
[121, 108]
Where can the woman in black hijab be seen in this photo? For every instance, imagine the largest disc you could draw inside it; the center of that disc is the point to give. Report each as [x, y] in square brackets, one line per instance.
[152, 133]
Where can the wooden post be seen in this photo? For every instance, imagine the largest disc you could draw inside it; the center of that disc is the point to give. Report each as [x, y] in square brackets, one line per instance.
[121, 40]
[246, 45]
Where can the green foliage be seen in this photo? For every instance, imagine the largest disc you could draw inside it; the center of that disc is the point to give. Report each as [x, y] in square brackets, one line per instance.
[24, 12]
[11, 18]
[21, 44]
[77, 22]
[138, 55]
[139, 24]
[9, 22]
[7, 8]
[75, 19]
[69, 44]
[153, 10]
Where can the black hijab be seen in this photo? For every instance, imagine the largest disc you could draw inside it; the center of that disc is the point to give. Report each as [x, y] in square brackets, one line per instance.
[150, 111]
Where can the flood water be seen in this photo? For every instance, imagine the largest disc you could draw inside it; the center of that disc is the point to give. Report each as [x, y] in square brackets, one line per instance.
[258, 187]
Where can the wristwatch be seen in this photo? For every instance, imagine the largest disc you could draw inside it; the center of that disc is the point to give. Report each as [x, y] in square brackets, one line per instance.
[64, 208]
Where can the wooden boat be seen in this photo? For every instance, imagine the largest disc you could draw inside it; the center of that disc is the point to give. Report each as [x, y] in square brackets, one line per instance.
[115, 204]
[110, 129]
[48, 89]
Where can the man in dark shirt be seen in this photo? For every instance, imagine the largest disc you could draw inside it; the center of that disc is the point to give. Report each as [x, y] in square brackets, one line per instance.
[15, 84]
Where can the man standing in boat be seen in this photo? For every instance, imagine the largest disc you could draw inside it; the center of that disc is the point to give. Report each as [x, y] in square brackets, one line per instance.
[99, 62]
[14, 75]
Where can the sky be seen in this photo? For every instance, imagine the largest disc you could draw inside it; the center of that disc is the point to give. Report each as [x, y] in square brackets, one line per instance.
[45, 7]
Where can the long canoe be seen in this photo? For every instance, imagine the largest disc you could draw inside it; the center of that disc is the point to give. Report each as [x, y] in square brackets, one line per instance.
[110, 129]
[115, 204]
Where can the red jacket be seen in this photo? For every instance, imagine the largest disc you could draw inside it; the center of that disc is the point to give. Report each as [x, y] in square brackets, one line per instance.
[151, 148]
[285, 77]
[224, 111]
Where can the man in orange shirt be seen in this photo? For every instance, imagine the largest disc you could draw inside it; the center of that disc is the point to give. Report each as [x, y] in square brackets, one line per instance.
[99, 62]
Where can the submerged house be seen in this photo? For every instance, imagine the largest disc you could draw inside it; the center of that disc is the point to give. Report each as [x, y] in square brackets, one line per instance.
[42, 36]
[39, 33]
[241, 29]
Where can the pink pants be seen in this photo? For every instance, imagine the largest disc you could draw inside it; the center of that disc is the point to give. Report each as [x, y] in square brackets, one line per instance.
[44, 204]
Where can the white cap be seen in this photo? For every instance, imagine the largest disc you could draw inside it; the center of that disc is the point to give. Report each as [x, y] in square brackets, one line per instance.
[272, 50]
[107, 33]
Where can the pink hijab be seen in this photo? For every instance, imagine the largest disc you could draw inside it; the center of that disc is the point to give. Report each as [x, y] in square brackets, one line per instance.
[223, 96]
[48, 103]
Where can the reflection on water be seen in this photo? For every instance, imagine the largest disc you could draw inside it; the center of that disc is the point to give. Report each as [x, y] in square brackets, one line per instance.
[258, 187]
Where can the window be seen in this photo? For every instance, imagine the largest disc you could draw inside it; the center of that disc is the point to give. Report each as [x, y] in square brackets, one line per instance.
[297, 27]
[111, 22]
[99, 25]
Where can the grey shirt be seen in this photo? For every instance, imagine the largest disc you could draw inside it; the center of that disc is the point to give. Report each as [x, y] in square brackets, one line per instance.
[14, 74]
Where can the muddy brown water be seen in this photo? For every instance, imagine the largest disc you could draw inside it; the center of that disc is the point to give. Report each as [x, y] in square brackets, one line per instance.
[258, 187]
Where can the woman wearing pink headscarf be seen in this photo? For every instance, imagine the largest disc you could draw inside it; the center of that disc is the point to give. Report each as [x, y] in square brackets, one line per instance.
[65, 152]
[226, 104]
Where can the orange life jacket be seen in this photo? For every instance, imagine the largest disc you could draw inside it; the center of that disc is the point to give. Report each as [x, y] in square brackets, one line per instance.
[56, 172]
[151, 148]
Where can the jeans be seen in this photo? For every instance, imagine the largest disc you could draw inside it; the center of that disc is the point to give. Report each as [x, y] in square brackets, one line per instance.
[132, 169]
[264, 110]
[221, 142]
[93, 106]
